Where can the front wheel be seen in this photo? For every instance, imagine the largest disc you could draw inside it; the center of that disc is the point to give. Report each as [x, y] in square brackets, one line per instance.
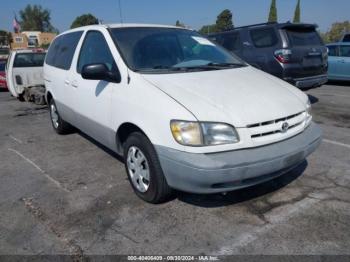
[144, 171]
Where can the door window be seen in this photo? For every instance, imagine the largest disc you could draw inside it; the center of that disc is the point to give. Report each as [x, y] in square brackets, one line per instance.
[95, 50]
[264, 37]
[345, 51]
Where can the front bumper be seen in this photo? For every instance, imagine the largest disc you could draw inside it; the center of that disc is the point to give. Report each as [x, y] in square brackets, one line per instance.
[226, 171]
[308, 82]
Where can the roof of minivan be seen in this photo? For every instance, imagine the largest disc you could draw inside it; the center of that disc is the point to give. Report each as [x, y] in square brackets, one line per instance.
[91, 27]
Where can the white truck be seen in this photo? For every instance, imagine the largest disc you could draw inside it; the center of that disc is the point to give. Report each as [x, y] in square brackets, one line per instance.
[24, 75]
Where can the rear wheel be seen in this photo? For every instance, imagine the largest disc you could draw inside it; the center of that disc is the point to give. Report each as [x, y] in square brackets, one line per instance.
[21, 98]
[144, 171]
[59, 125]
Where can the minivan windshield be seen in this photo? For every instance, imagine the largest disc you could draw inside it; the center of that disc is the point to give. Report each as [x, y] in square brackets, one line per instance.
[150, 49]
[304, 37]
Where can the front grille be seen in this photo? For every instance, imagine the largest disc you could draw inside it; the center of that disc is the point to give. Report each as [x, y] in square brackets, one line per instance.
[272, 127]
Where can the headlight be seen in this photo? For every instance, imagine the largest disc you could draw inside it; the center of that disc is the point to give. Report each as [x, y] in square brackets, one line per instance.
[218, 134]
[203, 133]
[186, 133]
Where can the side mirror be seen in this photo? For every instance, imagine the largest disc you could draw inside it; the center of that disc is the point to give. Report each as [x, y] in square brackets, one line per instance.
[100, 72]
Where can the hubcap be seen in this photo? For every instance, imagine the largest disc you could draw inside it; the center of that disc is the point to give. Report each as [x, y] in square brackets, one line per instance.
[54, 116]
[138, 169]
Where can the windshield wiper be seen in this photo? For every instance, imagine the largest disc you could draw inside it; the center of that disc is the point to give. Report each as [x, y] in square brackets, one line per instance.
[184, 68]
[225, 64]
[209, 66]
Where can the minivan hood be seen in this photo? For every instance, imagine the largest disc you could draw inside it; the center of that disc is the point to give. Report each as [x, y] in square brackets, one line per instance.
[240, 96]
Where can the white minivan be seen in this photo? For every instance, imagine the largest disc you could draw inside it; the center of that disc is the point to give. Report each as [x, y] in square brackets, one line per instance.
[183, 112]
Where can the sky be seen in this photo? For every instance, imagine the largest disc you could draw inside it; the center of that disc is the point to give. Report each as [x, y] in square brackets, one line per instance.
[193, 13]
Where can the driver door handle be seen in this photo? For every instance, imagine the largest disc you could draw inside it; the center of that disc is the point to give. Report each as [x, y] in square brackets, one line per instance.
[74, 84]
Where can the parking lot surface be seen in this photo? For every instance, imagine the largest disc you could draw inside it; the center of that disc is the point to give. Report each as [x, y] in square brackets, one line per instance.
[69, 195]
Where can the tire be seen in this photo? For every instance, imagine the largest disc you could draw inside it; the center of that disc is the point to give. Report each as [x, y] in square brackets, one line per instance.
[60, 126]
[21, 98]
[137, 147]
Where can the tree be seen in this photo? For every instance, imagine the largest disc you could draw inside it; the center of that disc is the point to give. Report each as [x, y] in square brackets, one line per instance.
[336, 32]
[224, 21]
[36, 18]
[297, 13]
[179, 24]
[208, 29]
[273, 12]
[83, 20]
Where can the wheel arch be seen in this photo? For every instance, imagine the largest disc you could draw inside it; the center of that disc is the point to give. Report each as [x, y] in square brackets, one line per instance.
[124, 131]
[48, 97]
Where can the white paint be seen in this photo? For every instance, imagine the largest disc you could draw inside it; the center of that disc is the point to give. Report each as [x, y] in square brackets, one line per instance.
[336, 143]
[58, 184]
[275, 220]
[16, 139]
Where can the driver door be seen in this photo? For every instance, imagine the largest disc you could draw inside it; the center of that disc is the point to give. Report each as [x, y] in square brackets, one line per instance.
[94, 97]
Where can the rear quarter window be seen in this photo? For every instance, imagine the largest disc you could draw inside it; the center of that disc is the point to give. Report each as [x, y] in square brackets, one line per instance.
[62, 50]
[264, 37]
[332, 50]
[304, 37]
[346, 38]
[231, 41]
[29, 60]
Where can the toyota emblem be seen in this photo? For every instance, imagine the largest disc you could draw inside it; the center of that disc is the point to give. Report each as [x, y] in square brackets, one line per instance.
[285, 127]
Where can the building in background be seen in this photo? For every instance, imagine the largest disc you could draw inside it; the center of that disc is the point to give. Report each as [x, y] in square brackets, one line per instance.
[31, 39]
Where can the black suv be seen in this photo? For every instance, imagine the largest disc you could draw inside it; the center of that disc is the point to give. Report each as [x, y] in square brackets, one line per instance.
[292, 52]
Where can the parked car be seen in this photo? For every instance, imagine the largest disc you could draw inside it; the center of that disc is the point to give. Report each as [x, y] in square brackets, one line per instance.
[183, 112]
[346, 37]
[339, 61]
[24, 75]
[292, 52]
[3, 84]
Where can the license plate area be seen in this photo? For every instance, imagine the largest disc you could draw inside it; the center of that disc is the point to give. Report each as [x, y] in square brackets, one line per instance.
[312, 62]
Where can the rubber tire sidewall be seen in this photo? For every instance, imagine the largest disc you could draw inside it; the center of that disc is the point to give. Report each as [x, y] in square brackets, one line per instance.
[63, 127]
[159, 190]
